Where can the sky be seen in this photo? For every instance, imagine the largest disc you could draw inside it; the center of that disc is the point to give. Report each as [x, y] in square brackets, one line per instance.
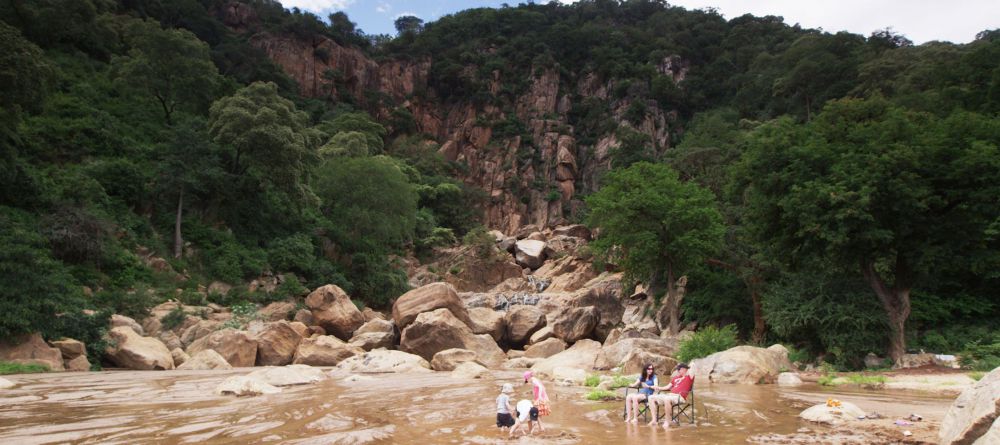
[921, 21]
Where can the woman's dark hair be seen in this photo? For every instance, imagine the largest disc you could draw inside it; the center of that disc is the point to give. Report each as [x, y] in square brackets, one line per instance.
[646, 374]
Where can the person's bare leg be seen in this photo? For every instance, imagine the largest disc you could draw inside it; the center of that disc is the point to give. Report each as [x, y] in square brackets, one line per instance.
[540, 428]
[651, 403]
[517, 424]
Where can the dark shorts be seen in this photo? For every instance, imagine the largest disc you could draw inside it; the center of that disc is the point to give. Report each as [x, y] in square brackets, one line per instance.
[505, 420]
[532, 414]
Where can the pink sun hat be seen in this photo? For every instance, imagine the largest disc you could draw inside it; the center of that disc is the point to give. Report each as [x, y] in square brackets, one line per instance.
[528, 375]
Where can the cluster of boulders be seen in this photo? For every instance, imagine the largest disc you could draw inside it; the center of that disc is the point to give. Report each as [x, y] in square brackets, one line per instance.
[31, 349]
[557, 316]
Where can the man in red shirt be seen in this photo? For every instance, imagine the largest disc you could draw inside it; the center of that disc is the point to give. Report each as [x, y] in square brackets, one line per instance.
[679, 387]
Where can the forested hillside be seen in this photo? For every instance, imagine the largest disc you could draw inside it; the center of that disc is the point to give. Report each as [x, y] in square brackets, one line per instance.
[832, 191]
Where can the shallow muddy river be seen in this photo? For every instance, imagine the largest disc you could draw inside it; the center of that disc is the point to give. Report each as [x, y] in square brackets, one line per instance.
[178, 407]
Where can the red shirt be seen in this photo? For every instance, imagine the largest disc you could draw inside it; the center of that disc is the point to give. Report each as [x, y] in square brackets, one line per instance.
[681, 385]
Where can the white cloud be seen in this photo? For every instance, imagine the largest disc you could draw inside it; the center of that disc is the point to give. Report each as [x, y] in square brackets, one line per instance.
[383, 8]
[317, 5]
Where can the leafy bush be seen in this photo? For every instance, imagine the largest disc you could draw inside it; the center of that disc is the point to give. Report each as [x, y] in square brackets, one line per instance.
[982, 356]
[132, 303]
[89, 329]
[295, 253]
[191, 297]
[243, 314]
[173, 318]
[592, 380]
[20, 368]
[620, 381]
[481, 242]
[291, 287]
[707, 341]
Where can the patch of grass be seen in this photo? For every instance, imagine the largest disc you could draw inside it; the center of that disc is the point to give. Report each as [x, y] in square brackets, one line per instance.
[20, 368]
[592, 380]
[827, 380]
[866, 380]
[976, 375]
[600, 394]
[620, 381]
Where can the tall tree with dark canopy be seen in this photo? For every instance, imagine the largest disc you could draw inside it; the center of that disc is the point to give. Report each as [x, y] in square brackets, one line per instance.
[654, 225]
[891, 193]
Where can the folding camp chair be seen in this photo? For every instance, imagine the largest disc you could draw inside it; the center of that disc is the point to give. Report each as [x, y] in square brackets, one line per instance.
[643, 405]
[685, 409]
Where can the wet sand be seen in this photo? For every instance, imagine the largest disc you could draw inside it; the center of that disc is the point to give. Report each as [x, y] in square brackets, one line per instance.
[179, 407]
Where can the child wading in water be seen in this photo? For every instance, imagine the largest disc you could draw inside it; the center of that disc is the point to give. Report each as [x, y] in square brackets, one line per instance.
[526, 412]
[504, 418]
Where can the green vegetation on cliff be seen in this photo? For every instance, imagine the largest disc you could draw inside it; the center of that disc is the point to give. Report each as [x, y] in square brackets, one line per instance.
[832, 191]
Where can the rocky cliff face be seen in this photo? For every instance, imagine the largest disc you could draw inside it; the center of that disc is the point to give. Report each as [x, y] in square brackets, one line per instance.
[535, 177]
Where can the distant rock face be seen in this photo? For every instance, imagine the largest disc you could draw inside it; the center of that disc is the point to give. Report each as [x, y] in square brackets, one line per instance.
[238, 348]
[333, 310]
[425, 299]
[974, 417]
[31, 349]
[133, 351]
[743, 364]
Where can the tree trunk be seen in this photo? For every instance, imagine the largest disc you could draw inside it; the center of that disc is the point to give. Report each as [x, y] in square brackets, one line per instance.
[759, 326]
[178, 240]
[895, 301]
[673, 303]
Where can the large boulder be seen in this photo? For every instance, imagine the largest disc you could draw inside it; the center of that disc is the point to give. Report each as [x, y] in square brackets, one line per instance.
[6, 384]
[469, 371]
[487, 321]
[519, 363]
[614, 355]
[384, 360]
[575, 324]
[77, 364]
[69, 348]
[545, 348]
[180, 357]
[279, 310]
[541, 335]
[522, 321]
[974, 417]
[637, 360]
[238, 348]
[334, 311]
[529, 253]
[425, 299]
[377, 325]
[324, 350]
[748, 365]
[121, 320]
[566, 274]
[170, 339]
[132, 351]
[242, 385]
[449, 359]
[435, 331]
[288, 375]
[373, 340]
[581, 355]
[839, 413]
[31, 349]
[569, 376]
[197, 331]
[206, 359]
[789, 379]
[276, 344]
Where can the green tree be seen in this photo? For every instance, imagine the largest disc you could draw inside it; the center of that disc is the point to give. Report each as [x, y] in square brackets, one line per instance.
[171, 65]
[409, 24]
[189, 163]
[269, 139]
[875, 188]
[655, 226]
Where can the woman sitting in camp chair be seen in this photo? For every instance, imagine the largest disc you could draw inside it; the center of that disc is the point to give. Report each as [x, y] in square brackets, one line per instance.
[646, 382]
[675, 393]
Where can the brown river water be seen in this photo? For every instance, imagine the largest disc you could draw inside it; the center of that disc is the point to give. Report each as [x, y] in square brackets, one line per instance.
[179, 407]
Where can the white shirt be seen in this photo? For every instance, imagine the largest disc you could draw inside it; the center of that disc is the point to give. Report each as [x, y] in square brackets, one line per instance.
[523, 409]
